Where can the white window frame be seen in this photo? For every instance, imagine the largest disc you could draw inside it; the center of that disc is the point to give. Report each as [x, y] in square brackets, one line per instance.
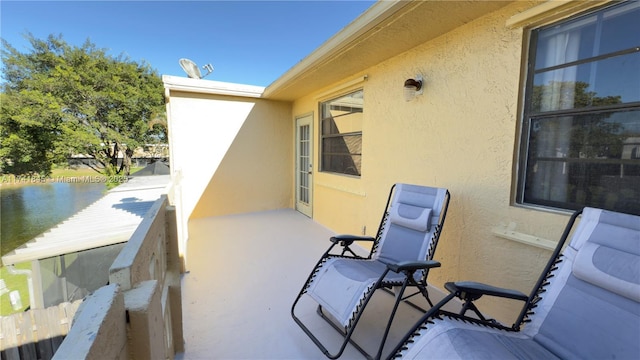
[355, 169]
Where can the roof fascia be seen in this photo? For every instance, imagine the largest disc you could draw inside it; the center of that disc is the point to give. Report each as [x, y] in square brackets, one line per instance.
[200, 86]
[377, 13]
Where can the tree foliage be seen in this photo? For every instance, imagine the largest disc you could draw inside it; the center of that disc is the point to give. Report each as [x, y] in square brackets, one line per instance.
[60, 100]
[591, 135]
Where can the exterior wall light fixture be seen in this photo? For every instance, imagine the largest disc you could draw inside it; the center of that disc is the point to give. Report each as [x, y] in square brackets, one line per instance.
[413, 87]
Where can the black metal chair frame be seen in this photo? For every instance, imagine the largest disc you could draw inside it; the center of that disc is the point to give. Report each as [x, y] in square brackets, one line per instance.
[408, 268]
[468, 292]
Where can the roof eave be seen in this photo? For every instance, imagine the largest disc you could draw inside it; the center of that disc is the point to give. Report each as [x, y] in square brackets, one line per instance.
[366, 42]
[201, 86]
[351, 33]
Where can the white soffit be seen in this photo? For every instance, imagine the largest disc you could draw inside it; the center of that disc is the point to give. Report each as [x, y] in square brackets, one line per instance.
[110, 220]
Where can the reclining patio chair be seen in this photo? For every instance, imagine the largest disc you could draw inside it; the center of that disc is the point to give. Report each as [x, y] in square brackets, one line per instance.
[586, 304]
[342, 283]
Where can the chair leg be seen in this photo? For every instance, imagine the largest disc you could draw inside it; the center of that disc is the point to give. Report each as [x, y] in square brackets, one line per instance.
[423, 289]
[434, 311]
[338, 329]
[391, 317]
[348, 338]
[347, 335]
[316, 341]
[469, 305]
[313, 338]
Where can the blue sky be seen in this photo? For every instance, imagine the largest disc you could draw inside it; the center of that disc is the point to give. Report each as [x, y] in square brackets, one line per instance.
[247, 42]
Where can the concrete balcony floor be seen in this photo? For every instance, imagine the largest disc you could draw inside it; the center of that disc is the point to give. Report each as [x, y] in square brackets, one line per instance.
[245, 271]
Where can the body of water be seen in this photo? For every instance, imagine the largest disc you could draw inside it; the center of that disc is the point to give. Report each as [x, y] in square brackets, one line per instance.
[28, 211]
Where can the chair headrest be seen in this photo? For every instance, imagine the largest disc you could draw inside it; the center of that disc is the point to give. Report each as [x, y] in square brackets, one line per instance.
[410, 216]
[609, 252]
[610, 269]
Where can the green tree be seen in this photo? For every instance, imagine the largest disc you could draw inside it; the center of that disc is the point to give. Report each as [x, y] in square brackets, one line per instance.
[60, 100]
[591, 135]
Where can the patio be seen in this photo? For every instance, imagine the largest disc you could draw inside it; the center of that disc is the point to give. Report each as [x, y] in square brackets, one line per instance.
[244, 271]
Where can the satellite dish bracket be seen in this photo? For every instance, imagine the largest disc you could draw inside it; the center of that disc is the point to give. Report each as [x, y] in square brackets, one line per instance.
[192, 69]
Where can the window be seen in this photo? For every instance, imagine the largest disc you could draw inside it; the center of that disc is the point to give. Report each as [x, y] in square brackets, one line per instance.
[341, 143]
[580, 135]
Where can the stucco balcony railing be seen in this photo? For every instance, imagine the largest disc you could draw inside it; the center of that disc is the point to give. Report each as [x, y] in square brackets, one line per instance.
[139, 314]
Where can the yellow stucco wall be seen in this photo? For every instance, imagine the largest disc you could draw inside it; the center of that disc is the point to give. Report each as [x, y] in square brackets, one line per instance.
[256, 172]
[460, 134]
[236, 154]
[202, 128]
[229, 154]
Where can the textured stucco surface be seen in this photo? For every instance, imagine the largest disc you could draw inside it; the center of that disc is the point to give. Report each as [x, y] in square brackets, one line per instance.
[236, 155]
[101, 316]
[460, 134]
[230, 154]
[254, 174]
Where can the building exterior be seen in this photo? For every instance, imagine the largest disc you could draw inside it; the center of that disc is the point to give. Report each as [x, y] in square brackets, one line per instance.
[508, 89]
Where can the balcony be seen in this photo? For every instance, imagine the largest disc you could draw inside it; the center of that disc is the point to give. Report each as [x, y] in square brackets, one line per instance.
[244, 273]
[242, 277]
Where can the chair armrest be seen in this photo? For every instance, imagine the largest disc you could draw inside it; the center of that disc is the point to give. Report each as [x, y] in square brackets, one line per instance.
[474, 290]
[345, 241]
[413, 265]
[349, 239]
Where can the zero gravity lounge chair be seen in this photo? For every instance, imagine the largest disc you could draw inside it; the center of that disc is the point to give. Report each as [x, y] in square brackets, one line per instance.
[401, 255]
[586, 304]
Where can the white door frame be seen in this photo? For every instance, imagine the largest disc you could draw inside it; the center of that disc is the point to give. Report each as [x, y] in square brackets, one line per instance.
[304, 164]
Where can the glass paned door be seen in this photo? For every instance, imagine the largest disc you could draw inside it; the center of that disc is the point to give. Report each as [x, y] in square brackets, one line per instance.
[304, 166]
